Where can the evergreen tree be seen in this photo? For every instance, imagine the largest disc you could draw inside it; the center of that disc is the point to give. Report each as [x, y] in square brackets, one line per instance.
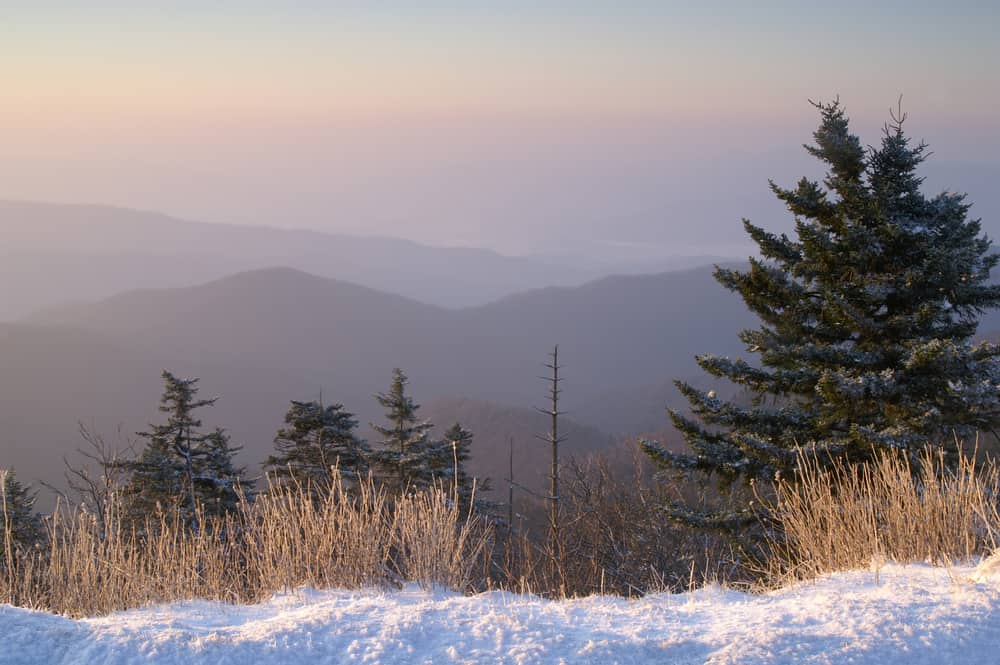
[406, 454]
[220, 482]
[866, 320]
[20, 527]
[315, 439]
[181, 466]
[448, 464]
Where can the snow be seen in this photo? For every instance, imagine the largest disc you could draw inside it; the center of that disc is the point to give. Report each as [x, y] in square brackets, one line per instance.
[903, 614]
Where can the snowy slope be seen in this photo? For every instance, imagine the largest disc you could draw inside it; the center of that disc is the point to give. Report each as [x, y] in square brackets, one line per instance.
[915, 614]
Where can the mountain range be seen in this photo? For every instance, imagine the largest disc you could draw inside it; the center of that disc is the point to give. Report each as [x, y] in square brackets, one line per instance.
[54, 254]
[259, 338]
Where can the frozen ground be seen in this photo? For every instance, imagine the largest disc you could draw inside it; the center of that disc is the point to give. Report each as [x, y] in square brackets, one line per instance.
[914, 614]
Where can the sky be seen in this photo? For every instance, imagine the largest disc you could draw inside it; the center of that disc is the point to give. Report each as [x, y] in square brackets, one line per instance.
[603, 128]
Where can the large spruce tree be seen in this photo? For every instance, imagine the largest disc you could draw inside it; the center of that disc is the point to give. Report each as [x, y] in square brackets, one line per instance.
[867, 316]
[315, 439]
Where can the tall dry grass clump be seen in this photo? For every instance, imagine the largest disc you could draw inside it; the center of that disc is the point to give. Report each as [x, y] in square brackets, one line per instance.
[847, 517]
[83, 572]
[435, 543]
[283, 539]
[8, 544]
[342, 540]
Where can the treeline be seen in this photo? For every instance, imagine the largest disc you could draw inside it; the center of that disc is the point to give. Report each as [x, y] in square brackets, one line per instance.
[179, 517]
[183, 494]
[184, 467]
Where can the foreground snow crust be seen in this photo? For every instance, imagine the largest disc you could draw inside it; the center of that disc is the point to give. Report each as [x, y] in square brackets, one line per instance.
[913, 614]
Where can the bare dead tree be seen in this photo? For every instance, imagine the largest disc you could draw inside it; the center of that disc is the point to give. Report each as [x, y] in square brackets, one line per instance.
[555, 550]
[95, 487]
[510, 490]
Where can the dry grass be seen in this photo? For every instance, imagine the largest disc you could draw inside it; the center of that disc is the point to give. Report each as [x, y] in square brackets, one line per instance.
[284, 539]
[291, 540]
[8, 544]
[853, 517]
[614, 540]
[437, 545]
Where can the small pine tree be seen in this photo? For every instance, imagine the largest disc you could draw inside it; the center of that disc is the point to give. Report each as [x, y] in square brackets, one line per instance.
[406, 453]
[181, 466]
[20, 526]
[448, 464]
[315, 439]
[866, 322]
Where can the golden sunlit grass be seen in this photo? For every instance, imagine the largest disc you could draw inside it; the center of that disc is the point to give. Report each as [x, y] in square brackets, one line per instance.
[851, 517]
[280, 541]
[829, 519]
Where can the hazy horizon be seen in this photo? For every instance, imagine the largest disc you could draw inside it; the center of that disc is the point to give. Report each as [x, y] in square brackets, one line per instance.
[555, 254]
[589, 130]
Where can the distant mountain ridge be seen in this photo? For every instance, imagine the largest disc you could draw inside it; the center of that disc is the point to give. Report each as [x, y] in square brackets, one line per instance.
[616, 331]
[55, 254]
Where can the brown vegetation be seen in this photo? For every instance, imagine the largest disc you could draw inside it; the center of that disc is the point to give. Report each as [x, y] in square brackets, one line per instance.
[282, 540]
[892, 509]
[613, 540]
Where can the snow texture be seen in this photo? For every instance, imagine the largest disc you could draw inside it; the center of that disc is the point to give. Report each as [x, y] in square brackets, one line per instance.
[912, 614]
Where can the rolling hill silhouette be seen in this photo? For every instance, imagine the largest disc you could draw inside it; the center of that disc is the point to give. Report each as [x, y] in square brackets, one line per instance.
[54, 254]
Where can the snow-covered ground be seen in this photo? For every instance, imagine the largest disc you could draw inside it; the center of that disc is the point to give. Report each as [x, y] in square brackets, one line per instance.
[914, 614]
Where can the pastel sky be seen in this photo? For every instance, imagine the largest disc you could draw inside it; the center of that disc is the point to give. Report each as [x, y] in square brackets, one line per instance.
[578, 126]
